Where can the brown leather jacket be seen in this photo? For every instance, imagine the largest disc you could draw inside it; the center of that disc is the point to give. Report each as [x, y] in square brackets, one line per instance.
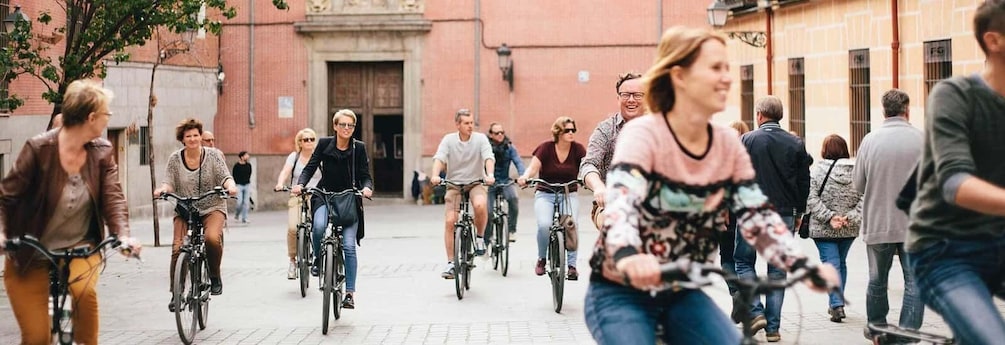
[29, 193]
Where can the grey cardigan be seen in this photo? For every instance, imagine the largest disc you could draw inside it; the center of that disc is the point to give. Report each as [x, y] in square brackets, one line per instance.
[838, 199]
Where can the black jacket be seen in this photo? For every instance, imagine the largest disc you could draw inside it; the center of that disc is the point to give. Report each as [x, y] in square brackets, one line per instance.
[782, 166]
[335, 176]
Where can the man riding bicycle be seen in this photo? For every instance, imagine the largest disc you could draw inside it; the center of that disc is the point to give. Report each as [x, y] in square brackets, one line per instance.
[956, 242]
[505, 155]
[468, 157]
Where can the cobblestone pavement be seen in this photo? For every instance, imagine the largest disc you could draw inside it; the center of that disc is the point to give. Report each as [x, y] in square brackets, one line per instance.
[401, 299]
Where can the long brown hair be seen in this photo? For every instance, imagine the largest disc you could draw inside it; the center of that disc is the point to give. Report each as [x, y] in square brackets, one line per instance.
[679, 46]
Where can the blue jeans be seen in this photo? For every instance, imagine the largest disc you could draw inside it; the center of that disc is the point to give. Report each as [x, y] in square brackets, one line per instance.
[243, 202]
[513, 210]
[957, 279]
[544, 210]
[617, 314]
[834, 251]
[877, 304]
[745, 258]
[348, 244]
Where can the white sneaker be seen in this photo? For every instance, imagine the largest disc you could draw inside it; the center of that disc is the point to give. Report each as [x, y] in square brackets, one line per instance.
[291, 273]
[448, 272]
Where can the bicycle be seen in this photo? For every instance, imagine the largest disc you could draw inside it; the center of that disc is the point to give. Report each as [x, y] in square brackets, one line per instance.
[464, 237]
[684, 274]
[891, 334]
[500, 233]
[59, 284]
[305, 252]
[332, 271]
[556, 265]
[190, 302]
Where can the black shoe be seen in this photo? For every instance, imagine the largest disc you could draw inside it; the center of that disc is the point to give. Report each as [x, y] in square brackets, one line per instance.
[215, 286]
[314, 271]
[348, 302]
[171, 304]
[836, 313]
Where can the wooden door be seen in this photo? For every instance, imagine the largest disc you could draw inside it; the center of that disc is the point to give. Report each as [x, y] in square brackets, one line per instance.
[373, 90]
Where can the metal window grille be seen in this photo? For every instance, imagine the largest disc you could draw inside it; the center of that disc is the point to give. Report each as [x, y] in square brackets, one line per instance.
[938, 63]
[144, 146]
[747, 95]
[4, 82]
[797, 97]
[858, 80]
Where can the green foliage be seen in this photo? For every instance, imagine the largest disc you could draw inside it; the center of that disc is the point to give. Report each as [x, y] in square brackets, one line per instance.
[95, 29]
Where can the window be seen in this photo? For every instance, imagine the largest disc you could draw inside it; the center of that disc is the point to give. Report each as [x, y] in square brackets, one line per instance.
[858, 80]
[797, 97]
[2, 169]
[144, 146]
[747, 95]
[938, 62]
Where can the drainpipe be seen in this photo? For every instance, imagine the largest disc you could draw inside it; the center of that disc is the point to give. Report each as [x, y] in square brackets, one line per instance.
[659, 20]
[769, 49]
[895, 44]
[478, 66]
[251, 64]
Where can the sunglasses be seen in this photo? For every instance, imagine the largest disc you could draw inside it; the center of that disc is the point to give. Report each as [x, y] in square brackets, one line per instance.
[308, 140]
[569, 130]
[495, 133]
[345, 125]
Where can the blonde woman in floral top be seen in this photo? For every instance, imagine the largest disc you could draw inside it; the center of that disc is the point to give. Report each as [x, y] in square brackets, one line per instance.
[673, 176]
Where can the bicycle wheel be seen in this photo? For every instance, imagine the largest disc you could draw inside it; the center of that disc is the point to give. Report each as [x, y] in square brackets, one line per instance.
[495, 238]
[184, 295]
[327, 287]
[556, 262]
[339, 290]
[504, 247]
[459, 263]
[469, 257]
[304, 258]
[203, 293]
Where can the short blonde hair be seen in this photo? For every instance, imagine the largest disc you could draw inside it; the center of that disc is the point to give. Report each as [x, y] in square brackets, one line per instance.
[559, 126]
[300, 135]
[740, 127]
[680, 46]
[346, 113]
[82, 98]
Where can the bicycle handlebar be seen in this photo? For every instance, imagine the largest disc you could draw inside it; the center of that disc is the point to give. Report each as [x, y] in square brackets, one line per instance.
[216, 191]
[446, 182]
[52, 256]
[319, 191]
[553, 186]
[693, 275]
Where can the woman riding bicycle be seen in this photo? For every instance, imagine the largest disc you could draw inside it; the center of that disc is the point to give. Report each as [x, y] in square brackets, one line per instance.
[335, 155]
[192, 171]
[557, 160]
[305, 141]
[673, 176]
[64, 190]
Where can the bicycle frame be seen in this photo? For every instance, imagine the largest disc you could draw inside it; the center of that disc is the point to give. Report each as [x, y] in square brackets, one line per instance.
[464, 248]
[61, 324]
[556, 257]
[499, 219]
[331, 278]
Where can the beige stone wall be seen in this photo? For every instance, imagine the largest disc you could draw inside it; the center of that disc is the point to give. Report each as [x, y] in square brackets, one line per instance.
[822, 32]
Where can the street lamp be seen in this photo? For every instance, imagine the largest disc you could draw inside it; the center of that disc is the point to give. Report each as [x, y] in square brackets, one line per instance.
[220, 76]
[718, 13]
[506, 64]
[10, 21]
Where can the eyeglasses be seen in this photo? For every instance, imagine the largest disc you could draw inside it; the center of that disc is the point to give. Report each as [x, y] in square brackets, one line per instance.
[308, 140]
[496, 133]
[636, 95]
[209, 140]
[345, 125]
[569, 130]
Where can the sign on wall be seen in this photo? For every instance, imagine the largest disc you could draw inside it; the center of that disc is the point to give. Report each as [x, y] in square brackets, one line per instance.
[285, 107]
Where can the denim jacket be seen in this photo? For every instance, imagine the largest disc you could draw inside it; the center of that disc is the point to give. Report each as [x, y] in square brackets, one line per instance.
[505, 153]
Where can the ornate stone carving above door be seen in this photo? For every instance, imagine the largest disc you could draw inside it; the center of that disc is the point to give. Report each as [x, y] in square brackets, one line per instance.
[316, 6]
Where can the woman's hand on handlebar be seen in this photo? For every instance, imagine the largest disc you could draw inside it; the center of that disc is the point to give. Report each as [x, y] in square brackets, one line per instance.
[297, 189]
[641, 271]
[367, 192]
[828, 275]
[522, 181]
[130, 247]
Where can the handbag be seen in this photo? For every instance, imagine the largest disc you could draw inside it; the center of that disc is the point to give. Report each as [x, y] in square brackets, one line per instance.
[804, 223]
[345, 205]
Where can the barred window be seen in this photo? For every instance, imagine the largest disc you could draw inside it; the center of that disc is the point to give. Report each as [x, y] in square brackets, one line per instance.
[144, 146]
[797, 97]
[858, 80]
[747, 95]
[938, 62]
[4, 83]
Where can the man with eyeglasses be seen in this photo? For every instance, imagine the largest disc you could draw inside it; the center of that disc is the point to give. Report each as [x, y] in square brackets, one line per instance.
[600, 149]
[467, 156]
[505, 154]
[208, 140]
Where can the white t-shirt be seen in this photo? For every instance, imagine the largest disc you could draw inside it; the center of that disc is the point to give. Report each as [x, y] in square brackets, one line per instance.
[299, 168]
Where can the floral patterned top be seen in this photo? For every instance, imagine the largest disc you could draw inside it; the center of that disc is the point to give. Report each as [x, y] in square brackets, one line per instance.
[666, 201]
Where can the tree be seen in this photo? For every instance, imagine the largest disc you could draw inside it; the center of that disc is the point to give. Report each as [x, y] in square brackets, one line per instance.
[95, 31]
